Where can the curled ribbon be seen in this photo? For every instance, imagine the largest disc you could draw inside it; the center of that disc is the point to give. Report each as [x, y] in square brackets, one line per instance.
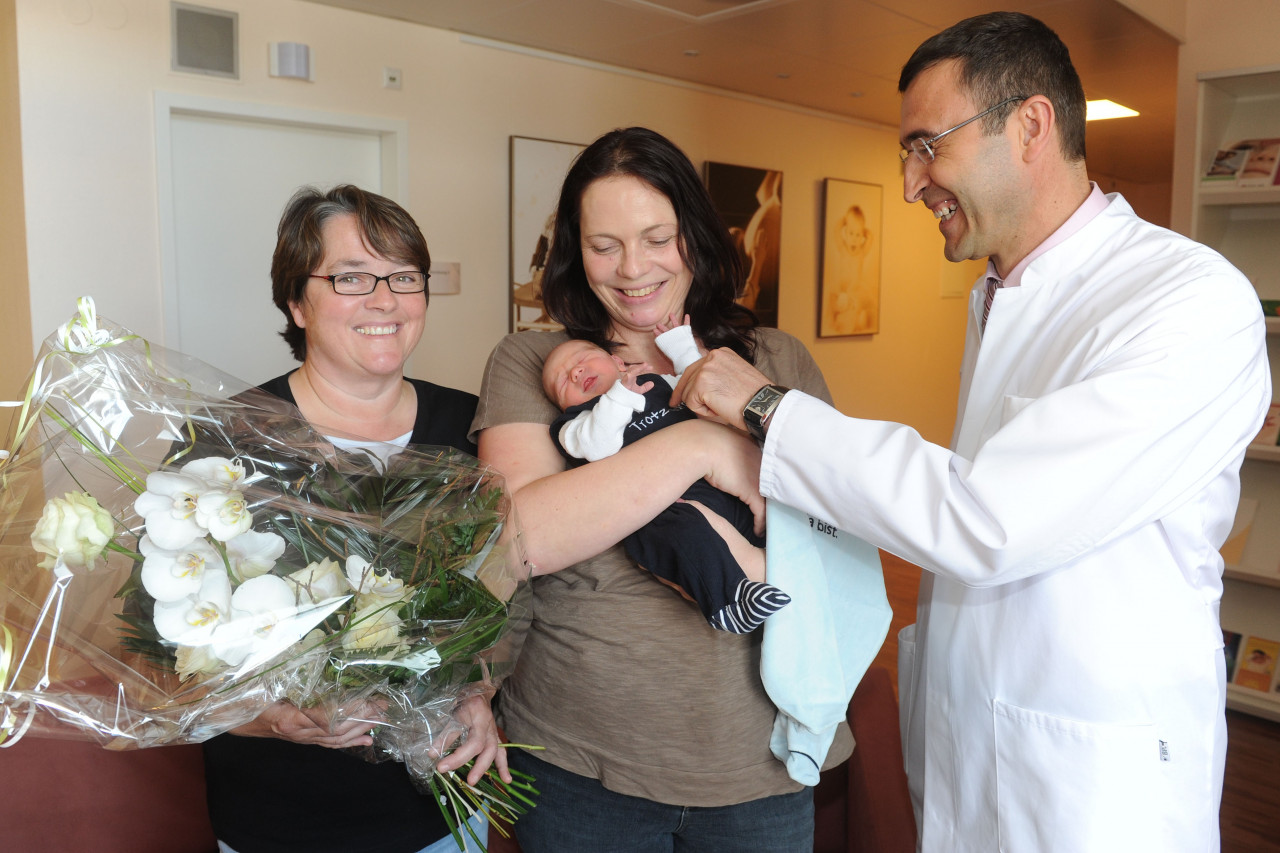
[6, 656]
[10, 729]
[81, 333]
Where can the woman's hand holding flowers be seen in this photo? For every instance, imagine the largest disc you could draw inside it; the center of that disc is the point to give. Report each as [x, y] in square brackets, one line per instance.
[287, 721]
[482, 743]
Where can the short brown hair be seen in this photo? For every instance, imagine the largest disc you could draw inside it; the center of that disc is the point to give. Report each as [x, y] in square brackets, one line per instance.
[386, 227]
[1009, 55]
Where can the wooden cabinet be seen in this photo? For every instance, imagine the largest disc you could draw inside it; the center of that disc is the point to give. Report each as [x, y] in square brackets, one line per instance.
[1243, 223]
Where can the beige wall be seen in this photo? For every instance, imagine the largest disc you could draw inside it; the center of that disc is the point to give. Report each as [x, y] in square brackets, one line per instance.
[88, 137]
[15, 335]
[1168, 15]
[1247, 36]
[1150, 201]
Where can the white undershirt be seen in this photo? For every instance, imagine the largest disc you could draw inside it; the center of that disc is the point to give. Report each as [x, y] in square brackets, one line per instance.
[382, 451]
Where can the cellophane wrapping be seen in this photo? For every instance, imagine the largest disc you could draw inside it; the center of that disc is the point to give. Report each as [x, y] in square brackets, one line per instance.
[178, 550]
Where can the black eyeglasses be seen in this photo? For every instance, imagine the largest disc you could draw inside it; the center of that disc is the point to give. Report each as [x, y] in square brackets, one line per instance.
[923, 148]
[364, 283]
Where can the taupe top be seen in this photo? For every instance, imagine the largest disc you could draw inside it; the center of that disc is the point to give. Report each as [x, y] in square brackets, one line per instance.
[620, 678]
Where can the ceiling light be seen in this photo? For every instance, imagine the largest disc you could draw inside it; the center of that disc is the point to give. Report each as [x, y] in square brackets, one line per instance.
[1098, 110]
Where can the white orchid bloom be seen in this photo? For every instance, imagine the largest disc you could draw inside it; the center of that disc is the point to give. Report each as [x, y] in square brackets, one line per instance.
[257, 606]
[220, 471]
[365, 579]
[191, 621]
[172, 575]
[224, 513]
[262, 596]
[253, 553]
[265, 622]
[319, 582]
[168, 507]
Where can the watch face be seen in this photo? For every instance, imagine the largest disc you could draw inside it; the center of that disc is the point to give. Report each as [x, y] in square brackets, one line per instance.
[760, 407]
[766, 399]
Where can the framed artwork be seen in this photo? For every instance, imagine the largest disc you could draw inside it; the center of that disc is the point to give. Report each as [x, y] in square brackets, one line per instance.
[849, 291]
[538, 167]
[750, 202]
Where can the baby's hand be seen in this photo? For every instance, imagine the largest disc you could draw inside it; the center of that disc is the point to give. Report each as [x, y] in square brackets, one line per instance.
[631, 372]
[670, 323]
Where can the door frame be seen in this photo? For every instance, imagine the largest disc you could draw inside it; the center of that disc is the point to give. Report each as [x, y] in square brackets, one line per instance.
[393, 135]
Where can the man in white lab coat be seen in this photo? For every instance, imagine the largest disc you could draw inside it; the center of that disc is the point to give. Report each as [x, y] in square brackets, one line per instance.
[1063, 687]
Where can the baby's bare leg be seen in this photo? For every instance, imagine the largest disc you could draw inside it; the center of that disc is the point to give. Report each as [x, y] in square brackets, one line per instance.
[686, 596]
[749, 557]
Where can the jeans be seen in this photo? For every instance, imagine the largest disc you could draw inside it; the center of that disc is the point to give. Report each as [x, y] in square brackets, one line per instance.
[444, 845]
[448, 845]
[575, 814]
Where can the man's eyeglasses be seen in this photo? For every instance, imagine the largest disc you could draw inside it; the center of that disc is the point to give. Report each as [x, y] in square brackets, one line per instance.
[923, 148]
[364, 283]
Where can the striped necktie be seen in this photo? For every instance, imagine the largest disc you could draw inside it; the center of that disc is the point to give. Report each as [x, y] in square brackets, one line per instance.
[993, 284]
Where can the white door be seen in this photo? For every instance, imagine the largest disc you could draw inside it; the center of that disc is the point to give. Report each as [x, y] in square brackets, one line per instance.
[231, 176]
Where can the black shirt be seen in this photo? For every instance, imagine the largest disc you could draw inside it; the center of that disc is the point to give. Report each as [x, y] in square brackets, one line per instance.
[274, 796]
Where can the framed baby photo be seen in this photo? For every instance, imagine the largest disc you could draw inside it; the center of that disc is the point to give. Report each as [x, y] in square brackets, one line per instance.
[538, 167]
[849, 289]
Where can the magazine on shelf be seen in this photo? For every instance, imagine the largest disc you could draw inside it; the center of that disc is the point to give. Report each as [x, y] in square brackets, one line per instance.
[1227, 164]
[1256, 664]
[1231, 650]
[1233, 548]
[1246, 163]
[1259, 169]
[1269, 435]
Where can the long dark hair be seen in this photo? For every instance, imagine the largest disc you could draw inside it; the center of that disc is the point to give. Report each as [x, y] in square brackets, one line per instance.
[705, 245]
[386, 226]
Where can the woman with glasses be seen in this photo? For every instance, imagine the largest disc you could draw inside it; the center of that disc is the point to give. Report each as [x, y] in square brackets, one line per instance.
[349, 274]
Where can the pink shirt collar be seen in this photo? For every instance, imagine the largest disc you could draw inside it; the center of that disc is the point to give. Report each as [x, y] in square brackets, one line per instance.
[1095, 203]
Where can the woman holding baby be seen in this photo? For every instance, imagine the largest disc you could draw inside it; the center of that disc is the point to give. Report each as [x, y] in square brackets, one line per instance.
[656, 726]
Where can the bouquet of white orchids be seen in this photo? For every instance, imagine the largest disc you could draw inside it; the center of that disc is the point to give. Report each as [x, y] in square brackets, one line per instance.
[178, 551]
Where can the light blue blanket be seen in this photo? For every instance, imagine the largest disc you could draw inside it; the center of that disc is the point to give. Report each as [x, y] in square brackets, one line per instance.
[817, 648]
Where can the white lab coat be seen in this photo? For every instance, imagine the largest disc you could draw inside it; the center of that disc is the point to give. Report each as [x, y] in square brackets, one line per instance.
[1063, 688]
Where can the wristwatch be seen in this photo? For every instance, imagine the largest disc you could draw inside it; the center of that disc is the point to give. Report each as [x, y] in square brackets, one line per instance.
[761, 408]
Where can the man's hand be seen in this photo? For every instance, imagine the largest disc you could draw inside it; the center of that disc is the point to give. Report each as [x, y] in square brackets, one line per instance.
[719, 386]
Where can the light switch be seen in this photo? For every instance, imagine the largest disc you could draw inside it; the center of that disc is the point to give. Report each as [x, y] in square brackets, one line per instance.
[446, 277]
[290, 59]
[391, 78]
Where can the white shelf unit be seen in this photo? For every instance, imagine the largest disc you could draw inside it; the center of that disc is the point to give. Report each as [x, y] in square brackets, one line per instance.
[1253, 702]
[1243, 223]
